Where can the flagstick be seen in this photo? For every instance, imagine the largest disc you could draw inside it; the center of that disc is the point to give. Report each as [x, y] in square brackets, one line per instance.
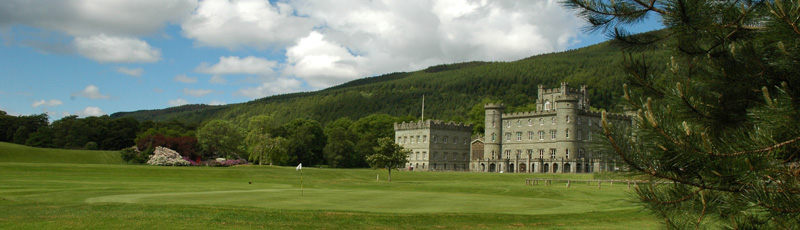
[301, 182]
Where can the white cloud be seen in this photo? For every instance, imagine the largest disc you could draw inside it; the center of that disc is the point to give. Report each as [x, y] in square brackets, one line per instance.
[104, 48]
[321, 63]
[52, 102]
[253, 23]
[185, 79]
[177, 102]
[216, 102]
[216, 79]
[91, 111]
[84, 18]
[131, 72]
[197, 92]
[236, 65]
[355, 39]
[91, 92]
[278, 86]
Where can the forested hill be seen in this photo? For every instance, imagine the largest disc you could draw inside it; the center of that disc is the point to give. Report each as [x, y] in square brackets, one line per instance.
[450, 90]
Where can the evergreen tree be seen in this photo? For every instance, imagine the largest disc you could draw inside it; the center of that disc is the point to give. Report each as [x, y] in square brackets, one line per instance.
[721, 123]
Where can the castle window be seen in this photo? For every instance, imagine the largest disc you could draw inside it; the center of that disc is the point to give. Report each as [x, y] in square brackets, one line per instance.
[530, 122]
[519, 136]
[444, 139]
[541, 134]
[493, 154]
[494, 136]
[552, 153]
[530, 135]
[508, 136]
[518, 123]
[541, 153]
[567, 133]
[419, 140]
[424, 139]
[547, 106]
[416, 156]
[553, 120]
[508, 154]
[567, 118]
[553, 134]
[581, 153]
[530, 153]
[435, 139]
[541, 121]
[566, 153]
[508, 124]
[493, 123]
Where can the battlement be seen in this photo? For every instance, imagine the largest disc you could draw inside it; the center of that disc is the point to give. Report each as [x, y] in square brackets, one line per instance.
[432, 124]
[494, 106]
[567, 98]
[612, 116]
[528, 114]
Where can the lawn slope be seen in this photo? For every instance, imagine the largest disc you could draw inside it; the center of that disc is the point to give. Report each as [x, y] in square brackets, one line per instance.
[19, 153]
[91, 195]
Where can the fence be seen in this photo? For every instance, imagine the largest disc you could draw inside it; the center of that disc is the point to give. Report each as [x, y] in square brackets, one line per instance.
[548, 182]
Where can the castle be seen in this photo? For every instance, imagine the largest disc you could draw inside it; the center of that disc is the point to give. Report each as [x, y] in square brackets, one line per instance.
[553, 139]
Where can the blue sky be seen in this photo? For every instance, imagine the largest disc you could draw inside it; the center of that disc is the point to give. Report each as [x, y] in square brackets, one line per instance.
[94, 58]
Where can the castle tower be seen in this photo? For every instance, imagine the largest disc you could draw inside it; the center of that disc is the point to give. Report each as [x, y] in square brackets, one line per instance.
[493, 131]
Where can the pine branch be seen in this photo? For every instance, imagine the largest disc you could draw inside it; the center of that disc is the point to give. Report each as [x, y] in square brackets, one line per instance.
[762, 150]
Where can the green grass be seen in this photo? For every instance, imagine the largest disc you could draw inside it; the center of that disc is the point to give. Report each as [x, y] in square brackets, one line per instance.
[81, 196]
[19, 153]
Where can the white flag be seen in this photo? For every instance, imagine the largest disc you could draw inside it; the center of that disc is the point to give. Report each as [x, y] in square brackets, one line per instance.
[300, 166]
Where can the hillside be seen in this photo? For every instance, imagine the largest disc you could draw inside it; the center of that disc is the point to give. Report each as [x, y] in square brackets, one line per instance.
[450, 90]
[23, 154]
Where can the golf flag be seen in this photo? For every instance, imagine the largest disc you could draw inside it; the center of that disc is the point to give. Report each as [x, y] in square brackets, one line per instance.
[300, 166]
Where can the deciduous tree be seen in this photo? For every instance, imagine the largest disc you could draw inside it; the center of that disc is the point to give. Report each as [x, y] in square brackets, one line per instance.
[388, 155]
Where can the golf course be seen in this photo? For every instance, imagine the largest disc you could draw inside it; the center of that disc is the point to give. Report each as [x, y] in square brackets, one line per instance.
[80, 189]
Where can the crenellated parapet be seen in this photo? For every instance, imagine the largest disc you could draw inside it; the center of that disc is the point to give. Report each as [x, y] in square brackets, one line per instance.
[494, 106]
[528, 114]
[612, 116]
[432, 124]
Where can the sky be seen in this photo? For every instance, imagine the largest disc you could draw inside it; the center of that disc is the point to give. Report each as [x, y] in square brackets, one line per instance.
[92, 58]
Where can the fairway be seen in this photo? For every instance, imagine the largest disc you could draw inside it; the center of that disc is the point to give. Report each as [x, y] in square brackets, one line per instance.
[68, 195]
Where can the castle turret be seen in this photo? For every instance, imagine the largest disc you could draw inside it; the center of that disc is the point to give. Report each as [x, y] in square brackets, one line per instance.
[494, 131]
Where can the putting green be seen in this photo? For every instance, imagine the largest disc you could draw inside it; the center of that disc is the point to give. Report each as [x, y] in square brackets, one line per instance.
[361, 200]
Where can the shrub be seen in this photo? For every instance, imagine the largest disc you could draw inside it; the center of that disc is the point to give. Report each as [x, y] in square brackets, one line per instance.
[90, 145]
[133, 155]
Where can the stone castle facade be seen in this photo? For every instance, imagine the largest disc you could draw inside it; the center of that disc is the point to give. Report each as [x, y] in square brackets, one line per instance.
[435, 145]
[553, 139]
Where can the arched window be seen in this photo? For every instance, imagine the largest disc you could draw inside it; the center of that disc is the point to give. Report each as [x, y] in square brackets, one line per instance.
[567, 118]
[546, 105]
[494, 136]
[541, 121]
[566, 133]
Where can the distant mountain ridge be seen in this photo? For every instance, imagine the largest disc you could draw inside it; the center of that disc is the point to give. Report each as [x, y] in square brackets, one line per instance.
[450, 90]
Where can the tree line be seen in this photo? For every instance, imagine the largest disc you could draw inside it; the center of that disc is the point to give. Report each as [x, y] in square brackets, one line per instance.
[262, 139]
